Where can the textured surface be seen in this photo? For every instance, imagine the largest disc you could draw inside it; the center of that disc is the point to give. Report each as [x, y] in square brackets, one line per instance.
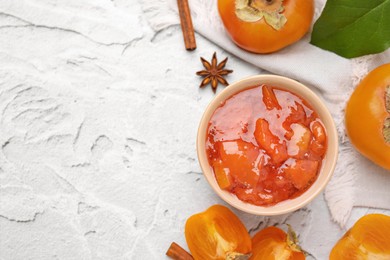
[98, 119]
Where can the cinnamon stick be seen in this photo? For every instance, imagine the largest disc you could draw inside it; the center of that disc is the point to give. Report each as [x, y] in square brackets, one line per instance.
[176, 252]
[186, 24]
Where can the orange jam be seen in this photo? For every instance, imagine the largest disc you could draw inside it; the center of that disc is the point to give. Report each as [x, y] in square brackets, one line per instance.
[265, 145]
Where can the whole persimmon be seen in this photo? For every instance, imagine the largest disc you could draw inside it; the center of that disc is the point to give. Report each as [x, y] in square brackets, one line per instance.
[367, 116]
[265, 26]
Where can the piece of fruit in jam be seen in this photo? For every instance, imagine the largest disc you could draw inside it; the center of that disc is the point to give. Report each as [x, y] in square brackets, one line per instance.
[239, 159]
[223, 176]
[301, 172]
[269, 98]
[299, 144]
[297, 115]
[274, 147]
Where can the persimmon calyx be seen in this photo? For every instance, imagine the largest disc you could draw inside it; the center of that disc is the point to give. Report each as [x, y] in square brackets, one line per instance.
[237, 256]
[292, 240]
[386, 125]
[255, 10]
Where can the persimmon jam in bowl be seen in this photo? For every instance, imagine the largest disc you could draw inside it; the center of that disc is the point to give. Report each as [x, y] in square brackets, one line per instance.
[267, 145]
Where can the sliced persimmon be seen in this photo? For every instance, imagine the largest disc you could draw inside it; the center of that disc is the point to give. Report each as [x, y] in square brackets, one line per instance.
[300, 141]
[318, 131]
[269, 98]
[255, 197]
[317, 149]
[297, 115]
[269, 142]
[240, 158]
[223, 176]
[301, 172]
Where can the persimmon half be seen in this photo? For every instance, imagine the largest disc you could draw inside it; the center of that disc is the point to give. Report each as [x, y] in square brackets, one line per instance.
[367, 116]
[217, 234]
[265, 26]
[272, 243]
[369, 238]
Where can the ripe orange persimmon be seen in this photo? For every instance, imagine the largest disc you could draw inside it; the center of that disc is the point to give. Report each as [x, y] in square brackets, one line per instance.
[264, 26]
[369, 238]
[217, 234]
[273, 243]
[367, 116]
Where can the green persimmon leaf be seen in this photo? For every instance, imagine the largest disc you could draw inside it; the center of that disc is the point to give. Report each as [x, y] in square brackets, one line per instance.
[353, 28]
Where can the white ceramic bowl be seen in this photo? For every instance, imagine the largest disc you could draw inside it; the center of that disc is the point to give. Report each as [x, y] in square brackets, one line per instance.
[328, 164]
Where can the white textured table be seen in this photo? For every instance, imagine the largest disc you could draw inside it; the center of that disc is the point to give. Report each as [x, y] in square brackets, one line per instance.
[98, 119]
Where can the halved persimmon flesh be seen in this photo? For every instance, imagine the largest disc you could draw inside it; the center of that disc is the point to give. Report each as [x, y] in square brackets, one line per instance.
[217, 233]
[272, 243]
[369, 238]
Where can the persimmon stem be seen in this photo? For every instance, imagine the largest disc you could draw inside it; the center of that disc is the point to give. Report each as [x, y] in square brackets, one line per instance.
[292, 240]
[255, 10]
[260, 4]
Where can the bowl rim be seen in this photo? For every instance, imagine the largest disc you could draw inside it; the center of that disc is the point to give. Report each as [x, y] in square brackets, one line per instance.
[328, 164]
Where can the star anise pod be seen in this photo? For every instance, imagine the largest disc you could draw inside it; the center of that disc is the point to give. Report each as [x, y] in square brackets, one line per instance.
[213, 72]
